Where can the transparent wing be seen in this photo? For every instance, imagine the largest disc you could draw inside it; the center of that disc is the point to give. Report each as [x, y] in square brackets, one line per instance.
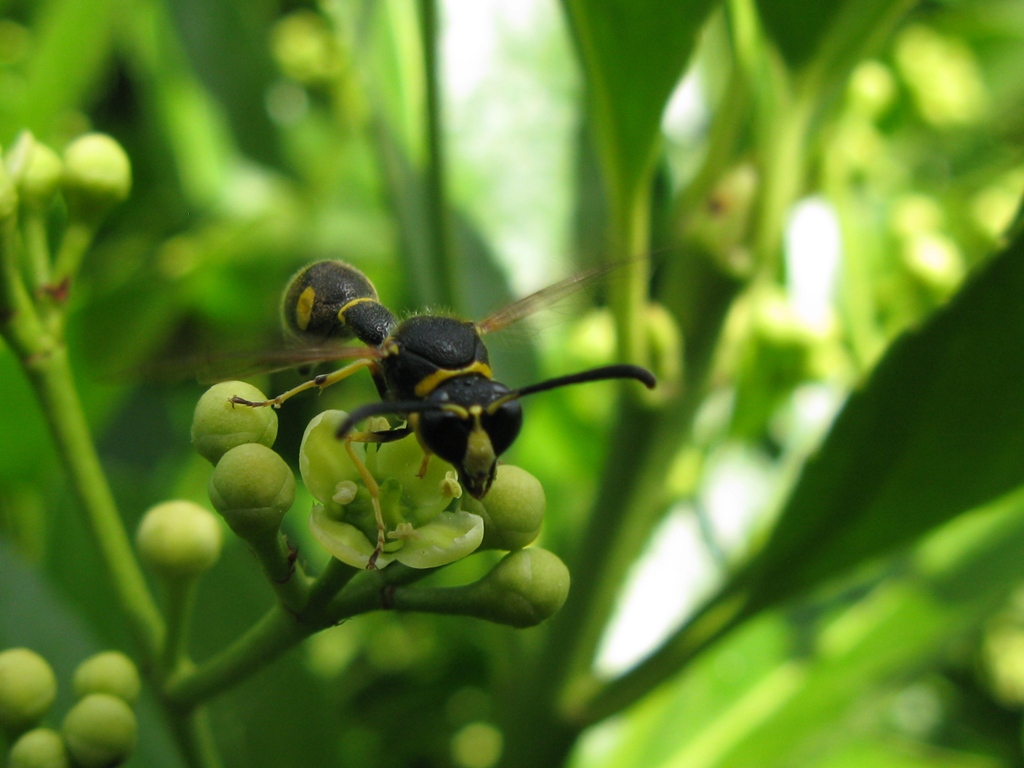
[211, 368]
[547, 297]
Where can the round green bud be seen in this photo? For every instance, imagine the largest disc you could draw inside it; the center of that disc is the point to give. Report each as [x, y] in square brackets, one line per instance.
[253, 488]
[97, 175]
[179, 539]
[27, 689]
[525, 588]
[36, 169]
[100, 731]
[108, 672]
[39, 748]
[513, 509]
[219, 425]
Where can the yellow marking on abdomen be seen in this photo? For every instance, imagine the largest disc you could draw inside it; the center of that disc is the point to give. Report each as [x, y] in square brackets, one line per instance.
[347, 307]
[304, 307]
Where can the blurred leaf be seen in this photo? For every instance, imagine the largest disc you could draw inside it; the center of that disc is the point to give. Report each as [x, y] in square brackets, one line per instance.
[633, 55]
[70, 54]
[227, 45]
[191, 120]
[937, 430]
[795, 689]
[836, 31]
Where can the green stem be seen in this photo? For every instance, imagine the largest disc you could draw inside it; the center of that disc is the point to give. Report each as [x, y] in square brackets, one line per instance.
[51, 377]
[280, 629]
[275, 633]
[284, 574]
[783, 165]
[439, 229]
[181, 594]
[195, 737]
[19, 322]
[37, 246]
[331, 580]
[76, 241]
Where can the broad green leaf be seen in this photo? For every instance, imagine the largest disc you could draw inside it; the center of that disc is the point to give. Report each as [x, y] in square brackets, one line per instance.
[810, 686]
[937, 430]
[632, 55]
[900, 630]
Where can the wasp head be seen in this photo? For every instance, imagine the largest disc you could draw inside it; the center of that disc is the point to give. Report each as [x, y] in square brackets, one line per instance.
[470, 425]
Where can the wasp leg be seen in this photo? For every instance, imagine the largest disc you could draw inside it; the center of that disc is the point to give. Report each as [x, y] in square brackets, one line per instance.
[322, 381]
[426, 463]
[369, 481]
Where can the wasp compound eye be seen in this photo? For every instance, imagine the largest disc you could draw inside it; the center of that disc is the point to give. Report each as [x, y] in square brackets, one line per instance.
[503, 425]
[445, 434]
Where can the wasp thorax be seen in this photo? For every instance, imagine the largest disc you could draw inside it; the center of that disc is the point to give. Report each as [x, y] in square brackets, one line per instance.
[468, 431]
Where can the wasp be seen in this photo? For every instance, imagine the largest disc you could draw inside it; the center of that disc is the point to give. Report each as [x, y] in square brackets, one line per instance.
[432, 369]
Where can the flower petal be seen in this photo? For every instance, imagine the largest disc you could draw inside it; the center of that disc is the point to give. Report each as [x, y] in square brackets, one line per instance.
[448, 537]
[323, 460]
[345, 542]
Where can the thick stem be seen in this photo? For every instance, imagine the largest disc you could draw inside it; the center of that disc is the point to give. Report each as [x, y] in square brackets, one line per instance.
[37, 247]
[195, 737]
[439, 229]
[275, 633]
[51, 377]
[77, 239]
[181, 594]
[284, 574]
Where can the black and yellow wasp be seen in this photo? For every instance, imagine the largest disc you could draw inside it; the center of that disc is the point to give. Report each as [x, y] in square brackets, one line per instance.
[430, 368]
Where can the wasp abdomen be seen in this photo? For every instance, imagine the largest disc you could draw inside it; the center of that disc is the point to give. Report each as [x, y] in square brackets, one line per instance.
[332, 299]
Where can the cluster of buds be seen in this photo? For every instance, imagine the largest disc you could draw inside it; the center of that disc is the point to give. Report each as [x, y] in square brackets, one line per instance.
[377, 504]
[92, 176]
[99, 729]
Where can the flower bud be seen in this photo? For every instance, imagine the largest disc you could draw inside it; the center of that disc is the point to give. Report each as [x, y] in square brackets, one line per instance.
[39, 748]
[36, 169]
[97, 176]
[109, 672]
[179, 539]
[252, 487]
[27, 689]
[100, 731]
[513, 509]
[525, 588]
[219, 425]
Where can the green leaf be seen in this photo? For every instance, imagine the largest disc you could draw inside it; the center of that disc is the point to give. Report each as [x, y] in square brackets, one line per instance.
[937, 430]
[633, 55]
[811, 686]
[805, 29]
[71, 48]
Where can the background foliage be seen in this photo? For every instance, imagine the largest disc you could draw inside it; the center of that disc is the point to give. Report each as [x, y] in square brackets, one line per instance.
[827, 192]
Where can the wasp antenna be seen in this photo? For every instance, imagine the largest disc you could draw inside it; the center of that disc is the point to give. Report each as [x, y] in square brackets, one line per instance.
[400, 407]
[594, 374]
